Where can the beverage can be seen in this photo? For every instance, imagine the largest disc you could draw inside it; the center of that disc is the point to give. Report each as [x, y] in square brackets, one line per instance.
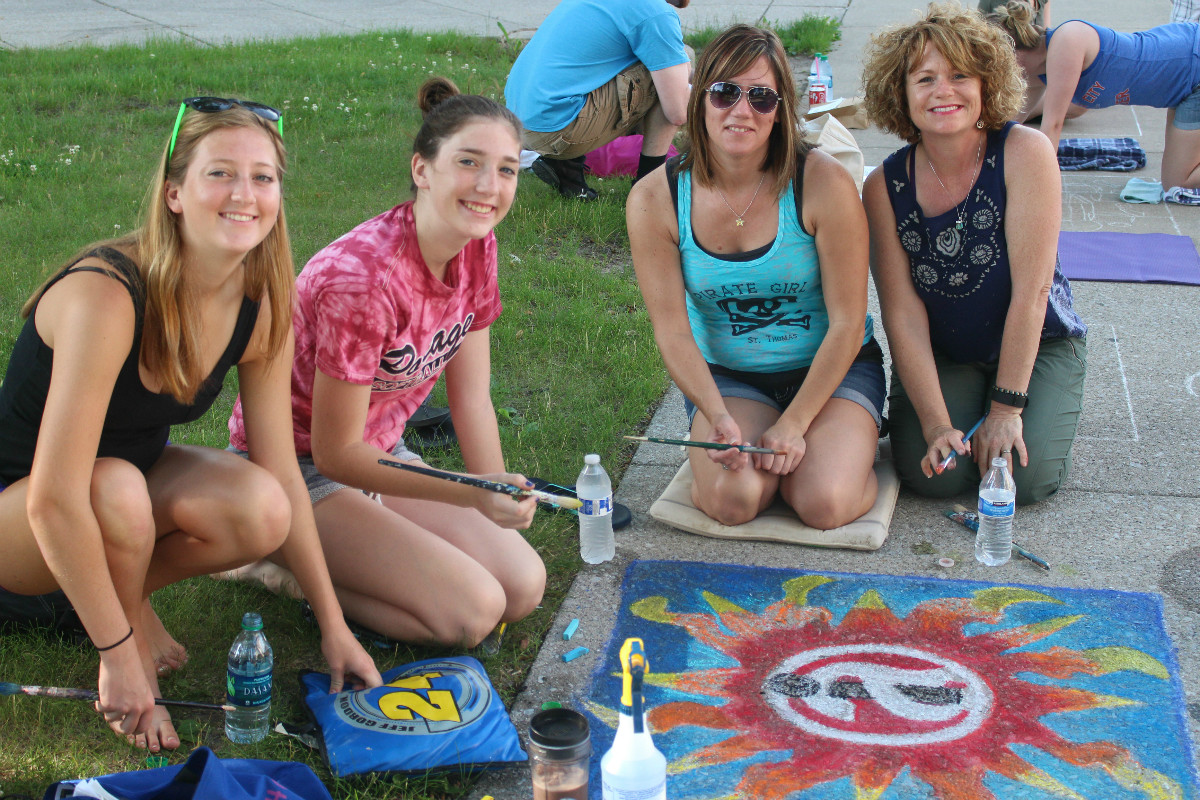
[817, 93]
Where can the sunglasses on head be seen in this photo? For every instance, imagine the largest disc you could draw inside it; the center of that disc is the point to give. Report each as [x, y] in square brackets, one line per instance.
[724, 94]
[211, 105]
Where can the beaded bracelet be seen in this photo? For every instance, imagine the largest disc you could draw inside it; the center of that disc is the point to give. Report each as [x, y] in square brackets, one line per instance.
[118, 643]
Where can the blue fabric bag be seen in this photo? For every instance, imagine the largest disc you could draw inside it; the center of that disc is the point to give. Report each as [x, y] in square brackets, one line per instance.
[428, 715]
[205, 777]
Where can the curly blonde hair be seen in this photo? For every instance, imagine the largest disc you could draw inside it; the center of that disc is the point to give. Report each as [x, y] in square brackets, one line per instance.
[963, 38]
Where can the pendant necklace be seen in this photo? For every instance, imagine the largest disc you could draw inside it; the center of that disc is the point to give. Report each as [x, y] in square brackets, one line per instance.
[740, 221]
[961, 209]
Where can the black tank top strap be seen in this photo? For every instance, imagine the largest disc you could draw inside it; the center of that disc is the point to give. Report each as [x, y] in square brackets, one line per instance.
[798, 191]
[123, 270]
[242, 331]
[673, 180]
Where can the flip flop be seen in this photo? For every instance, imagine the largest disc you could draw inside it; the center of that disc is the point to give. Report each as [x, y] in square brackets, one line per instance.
[622, 516]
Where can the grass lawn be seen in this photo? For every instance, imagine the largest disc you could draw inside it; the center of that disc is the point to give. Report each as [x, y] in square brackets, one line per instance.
[575, 365]
[574, 361]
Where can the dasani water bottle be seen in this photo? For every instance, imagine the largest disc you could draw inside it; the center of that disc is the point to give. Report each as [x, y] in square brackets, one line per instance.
[248, 683]
[596, 541]
[997, 506]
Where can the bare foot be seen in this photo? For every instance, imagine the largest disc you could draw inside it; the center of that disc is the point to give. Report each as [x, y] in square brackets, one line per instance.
[169, 655]
[267, 574]
[161, 736]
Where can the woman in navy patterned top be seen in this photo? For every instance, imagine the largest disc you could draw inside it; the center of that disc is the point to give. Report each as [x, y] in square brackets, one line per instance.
[978, 315]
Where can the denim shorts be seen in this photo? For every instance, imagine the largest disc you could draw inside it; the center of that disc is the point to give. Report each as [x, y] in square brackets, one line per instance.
[864, 384]
[320, 487]
[1187, 113]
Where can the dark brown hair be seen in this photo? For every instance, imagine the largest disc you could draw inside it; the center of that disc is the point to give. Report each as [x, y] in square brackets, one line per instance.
[733, 52]
[447, 111]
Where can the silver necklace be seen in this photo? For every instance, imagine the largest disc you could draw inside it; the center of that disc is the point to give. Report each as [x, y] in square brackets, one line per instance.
[962, 210]
[740, 221]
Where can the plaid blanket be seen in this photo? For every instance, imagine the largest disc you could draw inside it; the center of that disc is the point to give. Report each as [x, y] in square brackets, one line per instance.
[1114, 155]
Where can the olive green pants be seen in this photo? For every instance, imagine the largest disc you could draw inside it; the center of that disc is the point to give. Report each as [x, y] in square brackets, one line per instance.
[1049, 422]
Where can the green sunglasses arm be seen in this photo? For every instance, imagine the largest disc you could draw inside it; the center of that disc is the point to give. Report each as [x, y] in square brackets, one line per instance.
[175, 133]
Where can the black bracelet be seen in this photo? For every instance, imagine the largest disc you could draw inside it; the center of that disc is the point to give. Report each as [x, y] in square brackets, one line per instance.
[118, 643]
[1009, 398]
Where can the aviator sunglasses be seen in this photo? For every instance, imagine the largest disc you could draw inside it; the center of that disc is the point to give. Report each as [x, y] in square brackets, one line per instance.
[211, 105]
[724, 95]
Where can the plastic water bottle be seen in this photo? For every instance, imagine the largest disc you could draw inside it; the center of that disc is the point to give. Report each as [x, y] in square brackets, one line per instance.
[248, 683]
[826, 76]
[997, 506]
[817, 91]
[633, 768]
[596, 541]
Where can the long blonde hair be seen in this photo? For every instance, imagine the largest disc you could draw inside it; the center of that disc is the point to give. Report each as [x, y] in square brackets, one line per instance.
[171, 332]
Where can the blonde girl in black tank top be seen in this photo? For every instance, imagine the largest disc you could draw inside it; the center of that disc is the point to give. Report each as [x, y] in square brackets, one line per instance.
[136, 336]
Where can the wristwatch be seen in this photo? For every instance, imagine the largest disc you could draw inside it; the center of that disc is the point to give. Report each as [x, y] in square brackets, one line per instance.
[1010, 398]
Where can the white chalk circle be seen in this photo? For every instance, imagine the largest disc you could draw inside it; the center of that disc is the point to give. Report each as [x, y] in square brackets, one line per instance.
[879, 694]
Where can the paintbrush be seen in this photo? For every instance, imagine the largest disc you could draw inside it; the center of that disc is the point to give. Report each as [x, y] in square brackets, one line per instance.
[949, 459]
[970, 520]
[491, 486]
[745, 448]
[63, 693]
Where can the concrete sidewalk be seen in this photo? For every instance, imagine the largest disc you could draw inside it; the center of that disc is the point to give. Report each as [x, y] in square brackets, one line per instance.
[57, 23]
[1127, 518]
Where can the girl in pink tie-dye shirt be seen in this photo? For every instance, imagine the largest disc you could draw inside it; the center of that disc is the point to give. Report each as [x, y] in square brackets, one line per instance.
[380, 314]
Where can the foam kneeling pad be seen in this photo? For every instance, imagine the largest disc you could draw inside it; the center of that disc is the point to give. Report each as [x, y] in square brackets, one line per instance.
[779, 523]
[428, 715]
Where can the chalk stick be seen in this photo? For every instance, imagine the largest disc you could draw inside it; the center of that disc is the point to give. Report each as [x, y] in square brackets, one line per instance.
[570, 631]
[574, 654]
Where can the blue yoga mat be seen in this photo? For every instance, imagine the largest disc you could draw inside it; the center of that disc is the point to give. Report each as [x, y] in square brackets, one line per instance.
[1129, 257]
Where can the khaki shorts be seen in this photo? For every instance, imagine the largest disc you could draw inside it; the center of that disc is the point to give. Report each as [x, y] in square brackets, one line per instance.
[615, 109]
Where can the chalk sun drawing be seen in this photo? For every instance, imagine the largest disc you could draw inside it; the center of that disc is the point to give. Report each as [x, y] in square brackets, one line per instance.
[877, 694]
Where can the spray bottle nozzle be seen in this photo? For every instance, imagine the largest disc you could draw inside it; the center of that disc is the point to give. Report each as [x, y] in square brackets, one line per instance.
[633, 674]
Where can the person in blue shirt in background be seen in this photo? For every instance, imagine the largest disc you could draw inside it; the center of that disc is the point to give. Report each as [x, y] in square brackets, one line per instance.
[596, 70]
[1096, 67]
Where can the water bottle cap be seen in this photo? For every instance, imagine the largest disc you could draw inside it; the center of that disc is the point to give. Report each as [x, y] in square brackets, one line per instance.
[591, 458]
[999, 461]
[252, 621]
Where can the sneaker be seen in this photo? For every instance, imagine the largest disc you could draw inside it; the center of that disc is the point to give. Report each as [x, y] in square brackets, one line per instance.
[565, 176]
[427, 416]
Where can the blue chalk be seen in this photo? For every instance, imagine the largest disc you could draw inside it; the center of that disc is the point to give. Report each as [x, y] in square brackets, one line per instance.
[574, 654]
[570, 631]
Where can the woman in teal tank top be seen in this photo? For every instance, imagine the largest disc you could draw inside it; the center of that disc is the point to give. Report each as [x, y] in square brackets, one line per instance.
[759, 302]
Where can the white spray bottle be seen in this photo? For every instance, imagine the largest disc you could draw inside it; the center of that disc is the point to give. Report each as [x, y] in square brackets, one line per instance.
[633, 767]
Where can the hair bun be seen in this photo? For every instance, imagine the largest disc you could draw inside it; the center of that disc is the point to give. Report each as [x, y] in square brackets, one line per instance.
[1020, 10]
[434, 91]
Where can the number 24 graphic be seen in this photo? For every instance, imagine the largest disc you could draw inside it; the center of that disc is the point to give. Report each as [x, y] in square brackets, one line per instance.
[436, 705]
